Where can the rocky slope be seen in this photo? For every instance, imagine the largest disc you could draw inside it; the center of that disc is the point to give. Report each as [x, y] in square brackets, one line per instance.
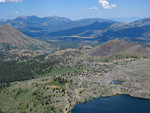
[119, 47]
[75, 77]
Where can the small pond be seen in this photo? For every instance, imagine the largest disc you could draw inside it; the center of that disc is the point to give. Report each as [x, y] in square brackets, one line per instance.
[45, 52]
[117, 82]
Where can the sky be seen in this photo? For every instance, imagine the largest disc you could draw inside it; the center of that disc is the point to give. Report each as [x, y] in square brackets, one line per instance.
[75, 9]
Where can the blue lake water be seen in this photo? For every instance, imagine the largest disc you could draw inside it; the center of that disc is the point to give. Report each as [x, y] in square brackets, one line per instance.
[117, 82]
[45, 52]
[114, 104]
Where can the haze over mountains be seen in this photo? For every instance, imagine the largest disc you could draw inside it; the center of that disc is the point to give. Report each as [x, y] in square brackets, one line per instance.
[109, 30]
[139, 28]
[99, 29]
[80, 31]
[35, 26]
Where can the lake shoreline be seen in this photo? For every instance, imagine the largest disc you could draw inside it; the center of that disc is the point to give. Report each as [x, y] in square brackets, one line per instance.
[143, 98]
[139, 98]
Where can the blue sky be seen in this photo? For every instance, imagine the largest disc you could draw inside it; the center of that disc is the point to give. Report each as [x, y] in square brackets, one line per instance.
[75, 9]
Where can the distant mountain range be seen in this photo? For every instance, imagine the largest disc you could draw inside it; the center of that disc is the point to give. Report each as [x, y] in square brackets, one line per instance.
[10, 38]
[61, 28]
[136, 29]
[125, 19]
[83, 30]
[109, 30]
[34, 26]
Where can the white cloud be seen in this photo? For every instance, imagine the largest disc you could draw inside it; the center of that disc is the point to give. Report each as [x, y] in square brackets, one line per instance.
[4, 1]
[106, 5]
[16, 12]
[93, 8]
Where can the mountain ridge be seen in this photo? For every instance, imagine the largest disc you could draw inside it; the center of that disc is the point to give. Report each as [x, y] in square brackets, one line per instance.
[118, 47]
[94, 26]
[37, 26]
[59, 28]
[10, 38]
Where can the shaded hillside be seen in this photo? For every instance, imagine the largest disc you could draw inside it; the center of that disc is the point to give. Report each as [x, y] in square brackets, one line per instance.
[77, 30]
[130, 32]
[104, 31]
[136, 29]
[141, 22]
[118, 47]
[10, 38]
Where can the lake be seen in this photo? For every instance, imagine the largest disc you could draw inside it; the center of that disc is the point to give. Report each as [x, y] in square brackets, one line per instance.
[45, 52]
[117, 82]
[114, 104]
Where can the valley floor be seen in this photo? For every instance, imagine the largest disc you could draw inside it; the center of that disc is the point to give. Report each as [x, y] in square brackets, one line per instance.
[92, 78]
